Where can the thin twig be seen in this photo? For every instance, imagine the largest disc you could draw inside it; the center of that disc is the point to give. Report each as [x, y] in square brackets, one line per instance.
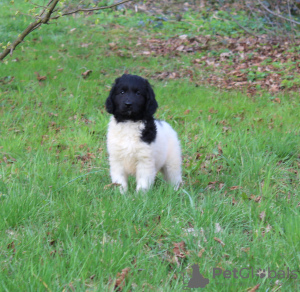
[42, 12]
[255, 16]
[277, 15]
[290, 15]
[37, 5]
[29, 29]
[249, 31]
[91, 9]
[43, 18]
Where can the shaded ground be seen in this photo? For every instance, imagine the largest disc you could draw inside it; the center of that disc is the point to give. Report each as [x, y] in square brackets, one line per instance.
[231, 63]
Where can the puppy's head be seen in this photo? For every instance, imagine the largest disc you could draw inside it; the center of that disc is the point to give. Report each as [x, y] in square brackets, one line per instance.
[131, 98]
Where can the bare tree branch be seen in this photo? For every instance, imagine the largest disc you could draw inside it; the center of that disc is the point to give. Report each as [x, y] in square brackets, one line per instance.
[37, 5]
[277, 15]
[249, 31]
[34, 25]
[90, 9]
[43, 18]
[42, 12]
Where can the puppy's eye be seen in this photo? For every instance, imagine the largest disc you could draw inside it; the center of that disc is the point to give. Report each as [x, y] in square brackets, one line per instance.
[138, 93]
[122, 92]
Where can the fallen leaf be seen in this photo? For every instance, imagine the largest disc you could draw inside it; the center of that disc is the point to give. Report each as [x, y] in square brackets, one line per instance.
[84, 45]
[179, 249]
[120, 282]
[86, 73]
[183, 36]
[268, 228]
[11, 245]
[220, 151]
[277, 100]
[52, 242]
[111, 185]
[262, 215]
[255, 199]
[212, 110]
[180, 48]
[219, 241]
[39, 77]
[71, 286]
[234, 202]
[218, 228]
[245, 249]
[112, 45]
[200, 253]
[254, 288]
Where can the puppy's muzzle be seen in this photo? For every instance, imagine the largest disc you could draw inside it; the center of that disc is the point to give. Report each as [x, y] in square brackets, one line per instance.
[128, 104]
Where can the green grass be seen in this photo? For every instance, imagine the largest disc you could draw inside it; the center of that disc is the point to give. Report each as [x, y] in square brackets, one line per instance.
[63, 227]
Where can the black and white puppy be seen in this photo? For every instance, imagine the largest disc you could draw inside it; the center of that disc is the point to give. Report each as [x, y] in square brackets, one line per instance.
[138, 144]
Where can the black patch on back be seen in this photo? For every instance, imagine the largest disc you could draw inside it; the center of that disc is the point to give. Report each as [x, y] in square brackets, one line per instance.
[149, 132]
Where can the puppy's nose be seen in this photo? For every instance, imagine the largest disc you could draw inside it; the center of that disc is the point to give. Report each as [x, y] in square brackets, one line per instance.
[128, 103]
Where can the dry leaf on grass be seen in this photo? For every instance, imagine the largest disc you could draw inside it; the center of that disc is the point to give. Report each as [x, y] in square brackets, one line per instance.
[111, 185]
[262, 215]
[234, 202]
[39, 77]
[11, 246]
[86, 73]
[200, 253]
[254, 288]
[255, 199]
[179, 252]
[119, 283]
[179, 249]
[245, 249]
[219, 240]
[218, 228]
[243, 66]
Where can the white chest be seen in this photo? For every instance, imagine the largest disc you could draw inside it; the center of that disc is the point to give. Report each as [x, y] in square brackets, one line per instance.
[125, 139]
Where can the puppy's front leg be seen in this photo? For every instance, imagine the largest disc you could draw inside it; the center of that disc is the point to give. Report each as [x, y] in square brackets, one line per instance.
[118, 175]
[145, 175]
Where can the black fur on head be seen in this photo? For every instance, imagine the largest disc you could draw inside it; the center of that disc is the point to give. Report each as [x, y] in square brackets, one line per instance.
[131, 99]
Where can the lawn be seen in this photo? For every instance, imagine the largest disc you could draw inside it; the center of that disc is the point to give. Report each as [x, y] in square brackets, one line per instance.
[64, 227]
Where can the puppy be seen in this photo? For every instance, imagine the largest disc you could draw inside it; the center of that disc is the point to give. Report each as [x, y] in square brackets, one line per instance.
[138, 144]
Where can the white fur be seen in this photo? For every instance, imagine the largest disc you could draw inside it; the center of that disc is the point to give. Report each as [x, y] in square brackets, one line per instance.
[129, 155]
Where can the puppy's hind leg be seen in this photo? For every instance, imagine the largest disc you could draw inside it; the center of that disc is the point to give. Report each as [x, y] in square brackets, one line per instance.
[172, 169]
[118, 175]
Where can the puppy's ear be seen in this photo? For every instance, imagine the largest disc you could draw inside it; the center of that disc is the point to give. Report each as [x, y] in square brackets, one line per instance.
[109, 105]
[151, 104]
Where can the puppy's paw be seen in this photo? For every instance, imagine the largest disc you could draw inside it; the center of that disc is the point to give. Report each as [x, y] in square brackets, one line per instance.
[142, 189]
[177, 185]
[123, 190]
